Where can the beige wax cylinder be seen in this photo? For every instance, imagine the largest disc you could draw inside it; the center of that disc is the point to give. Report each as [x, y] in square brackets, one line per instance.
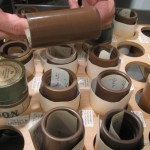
[62, 26]
[145, 101]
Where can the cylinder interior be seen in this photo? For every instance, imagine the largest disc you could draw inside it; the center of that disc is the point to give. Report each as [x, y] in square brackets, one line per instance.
[114, 82]
[61, 124]
[11, 140]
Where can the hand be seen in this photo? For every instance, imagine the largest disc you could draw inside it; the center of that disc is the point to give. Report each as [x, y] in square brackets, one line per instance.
[106, 9]
[11, 26]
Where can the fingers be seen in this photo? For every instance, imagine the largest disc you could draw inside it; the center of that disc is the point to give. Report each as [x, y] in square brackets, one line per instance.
[106, 10]
[3, 36]
[73, 4]
[12, 24]
[89, 2]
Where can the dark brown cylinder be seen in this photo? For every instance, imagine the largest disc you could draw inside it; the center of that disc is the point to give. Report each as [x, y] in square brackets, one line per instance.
[112, 62]
[131, 20]
[17, 50]
[57, 134]
[59, 95]
[63, 26]
[108, 94]
[145, 99]
[131, 132]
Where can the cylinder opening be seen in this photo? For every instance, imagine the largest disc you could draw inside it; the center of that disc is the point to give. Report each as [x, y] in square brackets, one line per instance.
[48, 80]
[61, 124]
[14, 49]
[146, 31]
[138, 71]
[11, 139]
[109, 49]
[61, 52]
[114, 82]
[131, 49]
[129, 128]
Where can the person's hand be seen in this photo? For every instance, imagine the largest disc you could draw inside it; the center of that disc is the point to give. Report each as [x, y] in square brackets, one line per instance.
[11, 26]
[106, 9]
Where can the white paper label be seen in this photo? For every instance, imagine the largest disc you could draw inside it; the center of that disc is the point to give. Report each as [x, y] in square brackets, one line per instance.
[143, 39]
[59, 78]
[81, 56]
[114, 39]
[116, 123]
[87, 116]
[35, 117]
[18, 121]
[36, 83]
[140, 115]
[125, 13]
[104, 55]
[83, 82]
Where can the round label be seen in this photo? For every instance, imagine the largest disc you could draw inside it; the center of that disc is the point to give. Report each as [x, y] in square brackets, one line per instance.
[10, 72]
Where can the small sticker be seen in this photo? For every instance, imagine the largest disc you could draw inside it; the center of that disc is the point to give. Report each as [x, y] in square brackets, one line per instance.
[132, 87]
[36, 83]
[82, 56]
[122, 61]
[140, 115]
[148, 56]
[18, 121]
[36, 116]
[143, 39]
[87, 116]
[59, 78]
[114, 39]
[83, 82]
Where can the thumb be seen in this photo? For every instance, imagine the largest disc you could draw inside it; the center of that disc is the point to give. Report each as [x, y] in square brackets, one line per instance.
[73, 4]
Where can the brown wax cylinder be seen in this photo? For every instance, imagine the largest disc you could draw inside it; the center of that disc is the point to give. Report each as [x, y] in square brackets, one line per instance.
[57, 132]
[109, 94]
[94, 53]
[63, 26]
[17, 50]
[131, 20]
[145, 99]
[131, 132]
[59, 95]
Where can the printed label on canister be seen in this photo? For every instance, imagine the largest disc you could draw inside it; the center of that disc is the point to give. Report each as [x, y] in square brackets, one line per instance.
[9, 72]
[16, 110]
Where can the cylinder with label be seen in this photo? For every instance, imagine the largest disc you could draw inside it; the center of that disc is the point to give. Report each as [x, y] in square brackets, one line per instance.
[62, 129]
[56, 93]
[20, 51]
[104, 56]
[125, 22]
[120, 130]
[112, 85]
[62, 54]
[126, 16]
[14, 97]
